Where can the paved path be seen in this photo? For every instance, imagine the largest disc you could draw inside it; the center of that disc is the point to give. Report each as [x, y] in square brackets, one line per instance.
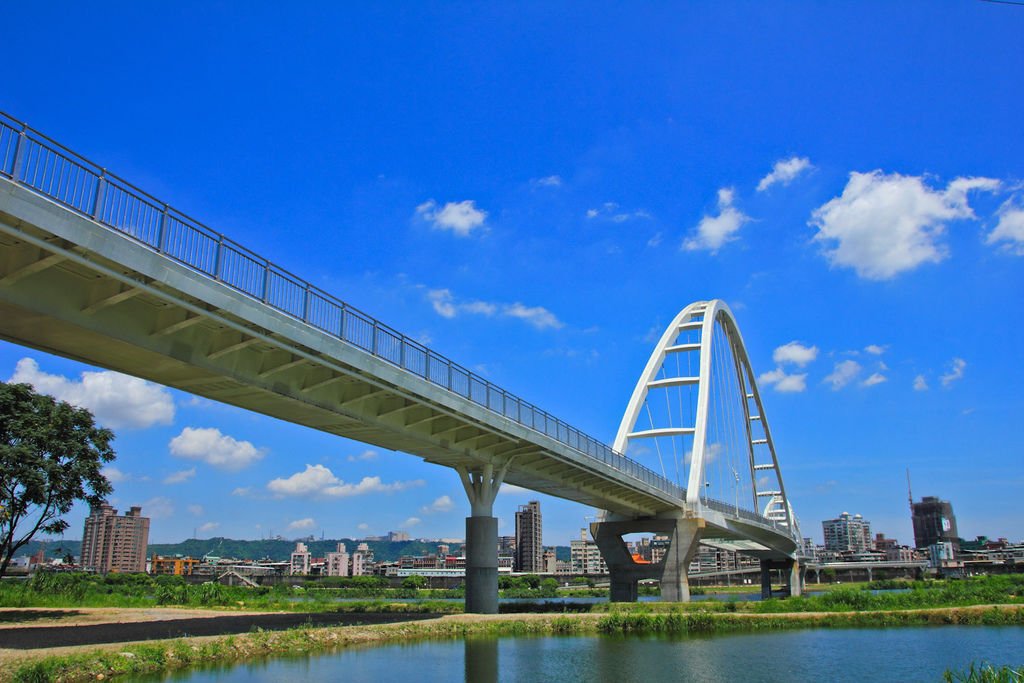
[37, 637]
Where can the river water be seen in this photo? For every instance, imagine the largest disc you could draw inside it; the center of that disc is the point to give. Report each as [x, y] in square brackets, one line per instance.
[897, 654]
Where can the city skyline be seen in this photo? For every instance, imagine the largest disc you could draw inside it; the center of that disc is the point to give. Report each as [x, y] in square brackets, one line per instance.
[544, 241]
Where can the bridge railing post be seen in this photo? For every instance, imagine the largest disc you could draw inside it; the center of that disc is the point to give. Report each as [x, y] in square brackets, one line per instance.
[98, 195]
[20, 145]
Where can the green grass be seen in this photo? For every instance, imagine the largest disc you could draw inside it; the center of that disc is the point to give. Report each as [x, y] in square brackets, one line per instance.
[985, 673]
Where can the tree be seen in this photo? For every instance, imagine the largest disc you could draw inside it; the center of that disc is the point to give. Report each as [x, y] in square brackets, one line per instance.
[51, 455]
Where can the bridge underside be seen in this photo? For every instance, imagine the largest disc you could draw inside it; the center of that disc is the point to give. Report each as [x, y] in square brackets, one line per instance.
[70, 292]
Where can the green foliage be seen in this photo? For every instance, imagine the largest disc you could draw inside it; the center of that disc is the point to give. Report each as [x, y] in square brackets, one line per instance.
[985, 673]
[415, 581]
[51, 456]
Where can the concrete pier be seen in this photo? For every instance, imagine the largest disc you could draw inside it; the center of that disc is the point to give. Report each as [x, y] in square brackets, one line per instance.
[624, 573]
[482, 537]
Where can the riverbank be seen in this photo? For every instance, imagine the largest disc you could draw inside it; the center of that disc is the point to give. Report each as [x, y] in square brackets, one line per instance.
[100, 663]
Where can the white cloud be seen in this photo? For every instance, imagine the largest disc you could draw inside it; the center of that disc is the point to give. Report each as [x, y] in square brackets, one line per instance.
[442, 504]
[445, 305]
[796, 353]
[158, 508]
[875, 378]
[714, 231]
[883, 225]
[610, 211]
[512, 489]
[319, 482]
[1010, 228]
[655, 240]
[956, 371]
[538, 316]
[365, 456]
[920, 383]
[181, 476]
[547, 181]
[210, 446]
[114, 475]
[195, 510]
[783, 383]
[784, 171]
[711, 453]
[874, 349]
[242, 491]
[843, 373]
[410, 523]
[208, 526]
[462, 218]
[117, 401]
[363, 527]
[301, 524]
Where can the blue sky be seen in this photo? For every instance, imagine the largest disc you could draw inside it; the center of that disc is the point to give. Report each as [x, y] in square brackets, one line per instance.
[536, 190]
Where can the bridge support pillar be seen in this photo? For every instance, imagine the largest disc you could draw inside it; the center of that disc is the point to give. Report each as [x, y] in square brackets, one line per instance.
[482, 538]
[792, 572]
[625, 573]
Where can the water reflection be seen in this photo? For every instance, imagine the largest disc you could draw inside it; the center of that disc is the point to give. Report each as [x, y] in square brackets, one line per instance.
[481, 660]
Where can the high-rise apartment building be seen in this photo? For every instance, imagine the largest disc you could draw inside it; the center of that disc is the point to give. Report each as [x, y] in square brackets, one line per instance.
[934, 522]
[113, 542]
[336, 562]
[585, 557]
[847, 533]
[300, 560]
[529, 543]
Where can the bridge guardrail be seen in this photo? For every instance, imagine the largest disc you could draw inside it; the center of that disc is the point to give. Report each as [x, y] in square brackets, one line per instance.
[36, 161]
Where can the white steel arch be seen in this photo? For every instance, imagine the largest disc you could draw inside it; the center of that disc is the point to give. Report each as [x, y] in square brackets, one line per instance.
[709, 330]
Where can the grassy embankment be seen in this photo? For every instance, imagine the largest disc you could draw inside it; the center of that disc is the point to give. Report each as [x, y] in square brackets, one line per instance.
[179, 654]
[926, 603]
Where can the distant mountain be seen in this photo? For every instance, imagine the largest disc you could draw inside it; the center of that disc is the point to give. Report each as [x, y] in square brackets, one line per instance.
[277, 550]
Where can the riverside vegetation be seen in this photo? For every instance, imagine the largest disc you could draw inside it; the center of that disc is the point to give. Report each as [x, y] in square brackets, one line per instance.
[992, 601]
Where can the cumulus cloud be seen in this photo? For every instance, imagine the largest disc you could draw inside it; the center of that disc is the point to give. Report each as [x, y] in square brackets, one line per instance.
[114, 475]
[365, 456]
[538, 316]
[874, 349]
[956, 371]
[195, 510]
[875, 378]
[242, 491]
[301, 524]
[446, 306]
[547, 181]
[714, 231]
[318, 481]
[410, 523]
[442, 504]
[363, 527]
[210, 446]
[1009, 232]
[461, 218]
[883, 225]
[612, 212]
[796, 353]
[784, 171]
[158, 508]
[843, 373]
[180, 476]
[117, 401]
[208, 527]
[783, 383]
[920, 383]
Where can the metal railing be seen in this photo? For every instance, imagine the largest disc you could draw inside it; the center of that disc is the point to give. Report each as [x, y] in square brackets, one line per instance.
[38, 162]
